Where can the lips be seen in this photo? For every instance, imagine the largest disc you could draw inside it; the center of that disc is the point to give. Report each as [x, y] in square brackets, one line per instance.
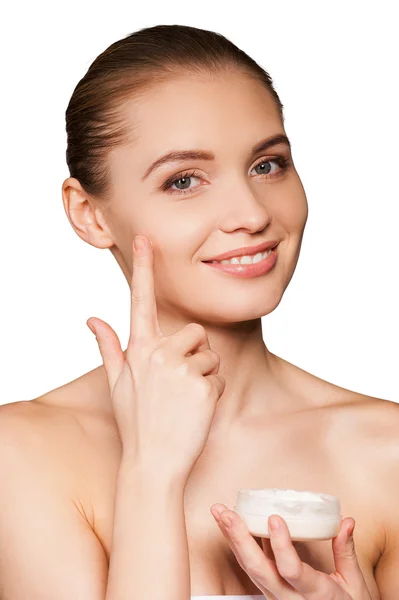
[246, 250]
[252, 270]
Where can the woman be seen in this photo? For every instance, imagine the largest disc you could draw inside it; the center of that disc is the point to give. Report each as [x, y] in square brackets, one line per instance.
[113, 475]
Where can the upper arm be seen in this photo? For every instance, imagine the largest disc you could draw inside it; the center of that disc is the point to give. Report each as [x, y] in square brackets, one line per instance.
[48, 551]
[386, 572]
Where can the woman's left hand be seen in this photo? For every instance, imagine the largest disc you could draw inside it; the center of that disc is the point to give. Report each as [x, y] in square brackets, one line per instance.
[278, 571]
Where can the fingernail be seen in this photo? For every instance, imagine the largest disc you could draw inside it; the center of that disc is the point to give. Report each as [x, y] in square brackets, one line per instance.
[350, 530]
[140, 242]
[90, 326]
[215, 514]
[274, 523]
[226, 521]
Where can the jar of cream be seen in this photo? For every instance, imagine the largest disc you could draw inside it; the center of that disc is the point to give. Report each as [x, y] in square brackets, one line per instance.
[309, 516]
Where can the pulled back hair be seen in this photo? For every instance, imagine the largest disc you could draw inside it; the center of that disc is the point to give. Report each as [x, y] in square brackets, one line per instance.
[124, 72]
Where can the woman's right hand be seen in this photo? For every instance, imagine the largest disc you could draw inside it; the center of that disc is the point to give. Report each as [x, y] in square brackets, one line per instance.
[163, 400]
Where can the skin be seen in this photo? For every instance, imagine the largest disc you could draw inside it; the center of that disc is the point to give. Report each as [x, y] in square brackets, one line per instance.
[253, 209]
[277, 424]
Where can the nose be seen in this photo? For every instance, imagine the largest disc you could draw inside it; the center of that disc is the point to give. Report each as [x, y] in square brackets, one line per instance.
[244, 210]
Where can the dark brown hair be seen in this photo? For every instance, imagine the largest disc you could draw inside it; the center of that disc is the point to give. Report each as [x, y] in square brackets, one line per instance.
[125, 71]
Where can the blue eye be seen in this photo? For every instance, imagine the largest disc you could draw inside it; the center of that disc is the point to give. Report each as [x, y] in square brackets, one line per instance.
[185, 177]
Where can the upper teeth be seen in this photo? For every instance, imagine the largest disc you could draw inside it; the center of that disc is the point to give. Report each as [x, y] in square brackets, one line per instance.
[244, 260]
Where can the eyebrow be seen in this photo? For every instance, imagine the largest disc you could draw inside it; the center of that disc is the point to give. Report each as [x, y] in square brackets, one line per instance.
[179, 155]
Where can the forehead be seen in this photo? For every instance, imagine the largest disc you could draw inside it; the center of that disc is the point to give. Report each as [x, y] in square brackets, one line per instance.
[224, 114]
[208, 107]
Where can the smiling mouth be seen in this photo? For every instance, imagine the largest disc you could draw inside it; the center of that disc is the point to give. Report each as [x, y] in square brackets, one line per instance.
[247, 259]
[248, 269]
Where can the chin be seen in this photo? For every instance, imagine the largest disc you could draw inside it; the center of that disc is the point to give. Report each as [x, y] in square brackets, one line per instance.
[235, 311]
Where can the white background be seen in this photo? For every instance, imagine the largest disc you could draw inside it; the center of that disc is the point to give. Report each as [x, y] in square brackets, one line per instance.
[334, 66]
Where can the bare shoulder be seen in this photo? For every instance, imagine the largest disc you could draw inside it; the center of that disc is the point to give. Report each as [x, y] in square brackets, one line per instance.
[30, 420]
[377, 476]
[378, 427]
[47, 544]
[47, 440]
[366, 437]
[366, 428]
[374, 421]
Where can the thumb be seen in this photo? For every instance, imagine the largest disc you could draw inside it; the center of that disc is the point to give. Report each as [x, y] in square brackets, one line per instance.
[110, 349]
[343, 547]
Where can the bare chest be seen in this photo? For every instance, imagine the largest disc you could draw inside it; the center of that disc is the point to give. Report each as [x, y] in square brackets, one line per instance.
[283, 459]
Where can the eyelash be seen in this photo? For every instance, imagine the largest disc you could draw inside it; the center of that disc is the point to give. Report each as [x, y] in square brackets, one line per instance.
[283, 163]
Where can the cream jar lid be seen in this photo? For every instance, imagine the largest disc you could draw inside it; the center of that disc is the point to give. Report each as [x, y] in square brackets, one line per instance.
[288, 503]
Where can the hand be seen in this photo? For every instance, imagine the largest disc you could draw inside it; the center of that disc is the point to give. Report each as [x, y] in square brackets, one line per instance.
[278, 571]
[163, 400]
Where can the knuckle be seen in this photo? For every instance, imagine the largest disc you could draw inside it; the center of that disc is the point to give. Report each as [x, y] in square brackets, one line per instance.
[163, 342]
[198, 328]
[137, 348]
[158, 356]
[137, 341]
[182, 369]
[256, 568]
[291, 572]
[347, 554]
[213, 392]
[205, 386]
[215, 356]
[137, 298]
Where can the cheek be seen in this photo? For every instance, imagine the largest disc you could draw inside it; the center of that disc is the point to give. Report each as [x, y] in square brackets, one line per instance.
[292, 210]
[299, 215]
[179, 236]
[175, 247]
[177, 240]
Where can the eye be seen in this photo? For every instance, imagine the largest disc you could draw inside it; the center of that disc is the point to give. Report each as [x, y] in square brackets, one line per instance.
[186, 177]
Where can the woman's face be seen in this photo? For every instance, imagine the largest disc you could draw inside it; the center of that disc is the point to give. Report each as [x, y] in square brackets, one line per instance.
[227, 203]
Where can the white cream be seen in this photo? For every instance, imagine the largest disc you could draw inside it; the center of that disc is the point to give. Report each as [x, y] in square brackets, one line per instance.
[309, 516]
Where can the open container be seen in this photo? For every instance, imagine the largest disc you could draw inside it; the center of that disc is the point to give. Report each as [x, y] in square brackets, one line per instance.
[309, 515]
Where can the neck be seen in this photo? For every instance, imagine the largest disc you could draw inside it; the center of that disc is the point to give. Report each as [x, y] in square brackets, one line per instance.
[251, 371]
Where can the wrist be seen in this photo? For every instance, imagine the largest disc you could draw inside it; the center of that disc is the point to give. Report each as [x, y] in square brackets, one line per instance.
[150, 478]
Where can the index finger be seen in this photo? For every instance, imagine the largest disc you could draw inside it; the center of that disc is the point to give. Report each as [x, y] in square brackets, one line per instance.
[143, 315]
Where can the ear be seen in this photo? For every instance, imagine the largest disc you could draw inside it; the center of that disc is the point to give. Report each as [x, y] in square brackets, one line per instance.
[85, 218]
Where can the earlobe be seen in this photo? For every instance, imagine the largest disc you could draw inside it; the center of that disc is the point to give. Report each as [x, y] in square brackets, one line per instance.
[80, 210]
